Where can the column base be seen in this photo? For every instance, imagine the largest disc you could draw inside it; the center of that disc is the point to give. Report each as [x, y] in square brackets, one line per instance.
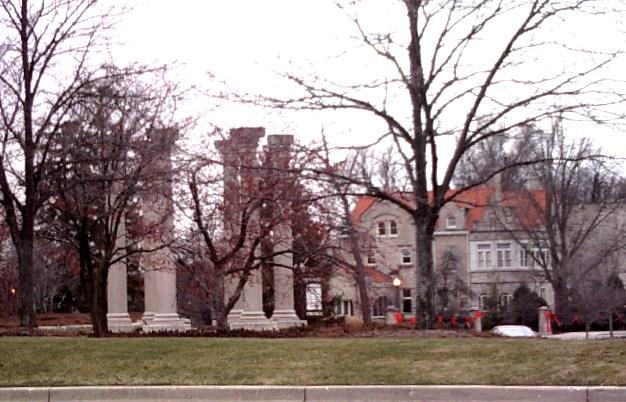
[234, 317]
[147, 317]
[165, 322]
[287, 319]
[121, 322]
[254, 321]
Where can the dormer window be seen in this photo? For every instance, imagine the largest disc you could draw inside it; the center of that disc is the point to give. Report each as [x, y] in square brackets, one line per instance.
[393, 228]
[382, 229]
[451, 222]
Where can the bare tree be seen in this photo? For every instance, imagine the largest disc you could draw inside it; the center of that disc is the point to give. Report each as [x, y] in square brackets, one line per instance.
[450, 287]
[240, 211]
[350, 236]
[567, 213]
[53, 262]
[8, 271]
[444, 89]
[45, 58]
[110, 174]
[595, 295]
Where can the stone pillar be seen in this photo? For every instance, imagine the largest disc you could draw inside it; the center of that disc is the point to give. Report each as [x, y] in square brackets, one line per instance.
[391, 314]
[278, 160]
[253, 317]
[118, 319]
[149, 291]
[544, 321]
[284, 312]
[163, 294]
[231, 162]
[241, 181]
[160, 269]
[234, 315]
[478, 319]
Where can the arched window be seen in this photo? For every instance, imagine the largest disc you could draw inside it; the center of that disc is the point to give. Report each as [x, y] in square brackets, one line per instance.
[380, 306]
[382, 230]
[393, 228]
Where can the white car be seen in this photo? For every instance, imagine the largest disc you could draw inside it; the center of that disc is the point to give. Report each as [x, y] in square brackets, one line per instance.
[515, 331]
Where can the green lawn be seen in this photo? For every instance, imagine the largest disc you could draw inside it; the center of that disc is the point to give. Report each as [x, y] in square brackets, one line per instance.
[46, 361]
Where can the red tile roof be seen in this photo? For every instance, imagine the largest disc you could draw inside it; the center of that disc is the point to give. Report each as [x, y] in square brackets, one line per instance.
[476, 200]
[377, 276]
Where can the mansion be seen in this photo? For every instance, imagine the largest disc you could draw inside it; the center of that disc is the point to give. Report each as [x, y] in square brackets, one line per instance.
[476, 255]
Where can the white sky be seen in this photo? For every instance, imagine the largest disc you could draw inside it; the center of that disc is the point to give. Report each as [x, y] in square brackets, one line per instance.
[244, 42]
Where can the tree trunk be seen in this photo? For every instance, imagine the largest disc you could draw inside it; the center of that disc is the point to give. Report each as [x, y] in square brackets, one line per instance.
[25, 275]
[219, 305]
[424, 272]
[361, 281]
[299, 292]
[98, 302]
[560, 298]
[359, 271]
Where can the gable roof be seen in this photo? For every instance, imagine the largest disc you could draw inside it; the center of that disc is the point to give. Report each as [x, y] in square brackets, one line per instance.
[476, 200]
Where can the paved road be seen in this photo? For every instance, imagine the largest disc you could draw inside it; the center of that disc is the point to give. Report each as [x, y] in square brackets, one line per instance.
[317, 393]
[592, 335]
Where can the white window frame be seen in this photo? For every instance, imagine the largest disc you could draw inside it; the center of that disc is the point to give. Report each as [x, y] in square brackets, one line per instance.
[504, 253]
[505, 299]
[381, 229]
[542, 254]
[393, 228]
[451, 222]
[313, 293]
[406, 253]
[481, 300]
[524, 257]
[408, 298]
[344, 307]
[483, 255]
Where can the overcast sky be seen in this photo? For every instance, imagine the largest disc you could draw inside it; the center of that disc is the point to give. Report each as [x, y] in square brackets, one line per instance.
[245, 42]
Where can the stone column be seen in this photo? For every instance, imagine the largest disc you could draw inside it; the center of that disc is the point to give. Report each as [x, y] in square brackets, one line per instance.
[163, 277]
[284, 312]
[158, 217]
[227, 149]
[234, 315]
[544, 323]
[245, 142]
[118, 319]
[253, 317]
[278, 159]
[149, 291]
[478, 319]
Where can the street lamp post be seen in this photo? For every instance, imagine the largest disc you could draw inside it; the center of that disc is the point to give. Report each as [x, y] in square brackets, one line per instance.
[397, 282]
[13, 302]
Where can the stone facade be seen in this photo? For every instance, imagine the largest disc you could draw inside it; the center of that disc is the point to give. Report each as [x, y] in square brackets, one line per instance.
[472, 257]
